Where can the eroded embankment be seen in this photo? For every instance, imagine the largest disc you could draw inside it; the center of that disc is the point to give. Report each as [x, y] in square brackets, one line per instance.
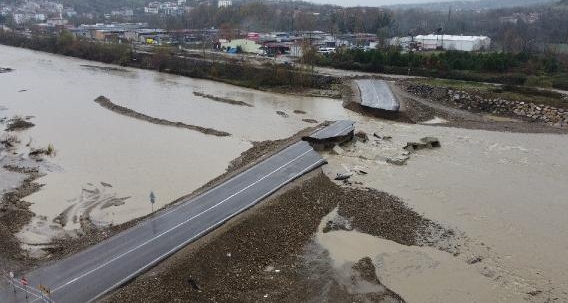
[223, 100]
[14, 214]
[105, 68]
[106, 103]
[270, 253]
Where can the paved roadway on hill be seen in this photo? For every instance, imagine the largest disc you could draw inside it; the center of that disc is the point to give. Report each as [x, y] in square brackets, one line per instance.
[88, 275]
[377, 94]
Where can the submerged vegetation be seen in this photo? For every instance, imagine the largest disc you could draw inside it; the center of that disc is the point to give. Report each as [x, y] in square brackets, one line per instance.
[18, 123]
[47, 151]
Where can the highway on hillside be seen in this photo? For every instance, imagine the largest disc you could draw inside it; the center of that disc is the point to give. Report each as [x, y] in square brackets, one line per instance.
[88, 275]
[377, 94]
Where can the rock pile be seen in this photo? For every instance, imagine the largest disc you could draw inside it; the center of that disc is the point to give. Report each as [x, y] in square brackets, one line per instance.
[557, 117]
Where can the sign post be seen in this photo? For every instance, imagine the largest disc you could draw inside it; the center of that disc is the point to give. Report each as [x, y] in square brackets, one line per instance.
[12, 280]
[45, 293]
[24, 282]
[152, 200]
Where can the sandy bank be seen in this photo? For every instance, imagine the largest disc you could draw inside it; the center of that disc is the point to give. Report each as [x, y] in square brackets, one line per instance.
[220, 99]
[106, 103]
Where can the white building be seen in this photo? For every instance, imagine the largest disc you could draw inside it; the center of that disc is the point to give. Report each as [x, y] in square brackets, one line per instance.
[20, 18]
[151, 10]
[224, 3]
[451, 42]
[39, 17]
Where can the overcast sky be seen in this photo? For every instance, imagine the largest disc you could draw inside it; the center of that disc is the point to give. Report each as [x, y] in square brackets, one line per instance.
[371, 2]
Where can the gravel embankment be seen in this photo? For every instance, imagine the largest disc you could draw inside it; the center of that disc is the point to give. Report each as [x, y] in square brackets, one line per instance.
[269, 252]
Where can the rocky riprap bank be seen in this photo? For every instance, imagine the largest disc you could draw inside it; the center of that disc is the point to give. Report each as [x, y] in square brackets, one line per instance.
[557, 117]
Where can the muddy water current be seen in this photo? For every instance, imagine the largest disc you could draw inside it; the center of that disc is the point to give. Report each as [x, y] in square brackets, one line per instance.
[507, 191]
[107, 164]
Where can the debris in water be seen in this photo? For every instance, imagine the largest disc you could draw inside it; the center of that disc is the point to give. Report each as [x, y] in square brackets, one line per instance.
[338, 150]
[425, 143]
[474, 260]
[344, 176]
[400, 160]
[385, 138]
[362, 136]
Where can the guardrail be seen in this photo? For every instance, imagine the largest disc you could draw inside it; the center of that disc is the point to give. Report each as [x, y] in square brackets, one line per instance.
[40, 294]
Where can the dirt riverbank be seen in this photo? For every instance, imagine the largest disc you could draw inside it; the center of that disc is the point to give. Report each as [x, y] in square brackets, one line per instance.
[21, 164]
[14, 214]
[223, 100]
[106, 103]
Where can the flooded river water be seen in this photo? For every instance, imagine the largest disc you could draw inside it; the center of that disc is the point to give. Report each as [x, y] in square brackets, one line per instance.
[103, 156]
[507, 193]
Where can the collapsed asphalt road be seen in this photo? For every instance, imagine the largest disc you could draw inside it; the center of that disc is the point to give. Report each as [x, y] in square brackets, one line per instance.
[377, 94]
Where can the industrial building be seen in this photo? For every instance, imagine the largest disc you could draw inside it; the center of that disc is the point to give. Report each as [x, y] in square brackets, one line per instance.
[451, 42]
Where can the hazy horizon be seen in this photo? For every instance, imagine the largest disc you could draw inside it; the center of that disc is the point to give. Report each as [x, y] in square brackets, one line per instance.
[375, 2]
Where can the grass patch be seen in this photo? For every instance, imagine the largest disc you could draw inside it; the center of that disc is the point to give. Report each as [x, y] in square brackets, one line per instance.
[48, 151]
[9, 140]
[454, 84]
[18, 123]
[539, 81]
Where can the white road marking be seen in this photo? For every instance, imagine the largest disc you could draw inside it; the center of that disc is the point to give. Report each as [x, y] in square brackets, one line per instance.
[316, 133]
[175, 227]
[180, 204]
[152, 263]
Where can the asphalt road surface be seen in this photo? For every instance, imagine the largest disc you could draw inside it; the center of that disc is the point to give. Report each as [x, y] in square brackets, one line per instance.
[336, 129]
[88, 275]
[377, 94]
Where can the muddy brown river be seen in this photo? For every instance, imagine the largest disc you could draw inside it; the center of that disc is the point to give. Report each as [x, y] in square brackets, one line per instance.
[507, 193]
[103, 157]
